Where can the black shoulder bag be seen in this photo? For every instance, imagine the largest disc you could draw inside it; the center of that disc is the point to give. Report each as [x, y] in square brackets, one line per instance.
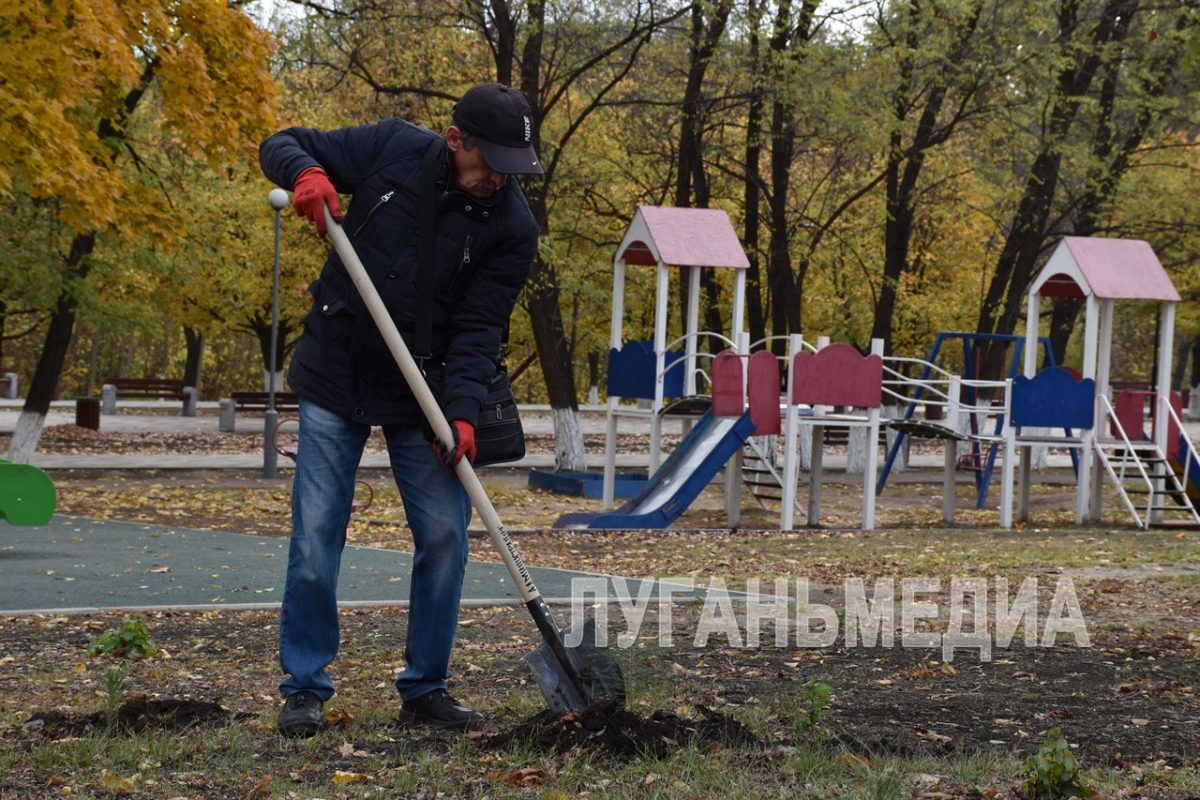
[499, 437]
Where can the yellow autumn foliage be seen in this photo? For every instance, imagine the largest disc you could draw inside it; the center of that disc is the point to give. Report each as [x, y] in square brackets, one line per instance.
[72, 70]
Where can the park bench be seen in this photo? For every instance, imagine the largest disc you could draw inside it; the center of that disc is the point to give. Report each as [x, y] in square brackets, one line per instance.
[8, 384]
[160, 388]
[253, 401]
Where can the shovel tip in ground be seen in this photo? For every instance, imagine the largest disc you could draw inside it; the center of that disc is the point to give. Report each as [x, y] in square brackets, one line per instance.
[600, 676]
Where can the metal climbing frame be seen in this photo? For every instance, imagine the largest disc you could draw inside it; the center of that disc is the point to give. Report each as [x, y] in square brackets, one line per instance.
[970, 342]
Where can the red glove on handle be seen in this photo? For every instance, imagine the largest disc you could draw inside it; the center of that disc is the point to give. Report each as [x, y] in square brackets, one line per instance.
[312, 193]
[464, 444]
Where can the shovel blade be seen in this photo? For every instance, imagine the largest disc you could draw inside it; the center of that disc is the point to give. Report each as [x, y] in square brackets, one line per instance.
[599, 669]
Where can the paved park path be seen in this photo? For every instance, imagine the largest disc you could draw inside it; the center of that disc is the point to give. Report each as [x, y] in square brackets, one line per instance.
[77, 564]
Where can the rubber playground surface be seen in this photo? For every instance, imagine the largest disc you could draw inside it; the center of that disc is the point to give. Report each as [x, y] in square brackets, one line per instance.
[81, 564]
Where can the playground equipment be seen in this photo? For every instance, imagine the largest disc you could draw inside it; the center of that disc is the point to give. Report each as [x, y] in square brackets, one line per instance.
[716, 438]
[835, 375]
[690, 239]
[1160, 466]
[1098, 270]
[949, 398]
[27, 496]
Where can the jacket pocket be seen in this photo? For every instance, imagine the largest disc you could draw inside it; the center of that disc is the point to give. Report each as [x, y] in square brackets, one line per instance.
[331, 320]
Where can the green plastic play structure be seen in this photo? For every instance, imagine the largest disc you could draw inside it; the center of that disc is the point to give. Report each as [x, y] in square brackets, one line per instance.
[27, 496]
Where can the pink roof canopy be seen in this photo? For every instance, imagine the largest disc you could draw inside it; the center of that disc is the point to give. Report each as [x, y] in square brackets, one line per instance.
[682, 237]
[1109, 269]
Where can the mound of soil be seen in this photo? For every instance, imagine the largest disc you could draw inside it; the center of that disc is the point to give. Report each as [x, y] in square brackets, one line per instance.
[608, 730]
[136, 714]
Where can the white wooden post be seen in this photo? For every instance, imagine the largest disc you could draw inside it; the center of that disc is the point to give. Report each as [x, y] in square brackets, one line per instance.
[1103, 365]
[693, 327]
[1090, 337]
[733, 467]
[950, 449]
[610, 429]
[1162, 393]
[791, 457]
[1010, 458]
[872, 466]
[818, 455]
[660, 346]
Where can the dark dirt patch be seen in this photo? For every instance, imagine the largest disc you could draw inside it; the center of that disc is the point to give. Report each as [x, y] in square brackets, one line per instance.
[608, 730]
[135, 715]
[1117, 703]
[1132, 696]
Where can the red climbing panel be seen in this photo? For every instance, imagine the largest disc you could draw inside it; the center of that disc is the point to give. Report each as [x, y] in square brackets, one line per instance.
[763, 388]
[727, 398]
[838, 376]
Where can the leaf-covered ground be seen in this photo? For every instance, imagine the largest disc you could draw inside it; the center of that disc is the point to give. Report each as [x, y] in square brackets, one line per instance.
[899, 721]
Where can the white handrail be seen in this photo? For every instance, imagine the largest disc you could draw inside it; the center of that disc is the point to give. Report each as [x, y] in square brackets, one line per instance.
[698, 334]
[920, 362]
[763, 342]
[1193, 455]
[1110, 415]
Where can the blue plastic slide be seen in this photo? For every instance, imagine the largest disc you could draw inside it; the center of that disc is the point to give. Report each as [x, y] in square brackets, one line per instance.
[1191, 481]
[671, 489]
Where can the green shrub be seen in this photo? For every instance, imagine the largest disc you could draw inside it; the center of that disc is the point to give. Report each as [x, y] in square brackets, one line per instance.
[814, 694]
[1053, 771]
[131, 640]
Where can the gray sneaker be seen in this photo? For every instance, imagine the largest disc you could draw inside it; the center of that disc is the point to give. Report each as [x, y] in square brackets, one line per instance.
[438, 709]
[302, 715]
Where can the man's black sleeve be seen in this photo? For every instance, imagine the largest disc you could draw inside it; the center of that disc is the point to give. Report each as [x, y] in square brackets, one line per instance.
[347, 154]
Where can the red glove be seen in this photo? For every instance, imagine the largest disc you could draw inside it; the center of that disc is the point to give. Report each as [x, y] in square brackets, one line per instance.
[464, 444]
[311, 193]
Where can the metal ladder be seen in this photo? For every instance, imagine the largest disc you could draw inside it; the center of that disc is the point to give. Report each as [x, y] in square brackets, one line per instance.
[762, 473]
[1140, 469]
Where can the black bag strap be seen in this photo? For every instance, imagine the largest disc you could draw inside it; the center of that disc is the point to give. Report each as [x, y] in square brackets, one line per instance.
[426, 252]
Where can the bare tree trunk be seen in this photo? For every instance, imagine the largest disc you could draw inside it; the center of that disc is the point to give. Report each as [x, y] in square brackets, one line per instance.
[195, 356]
[691, 184]
[781, 280]
[1029, 232]
[785, 289]
[905, 162]
[752, 184]
[54, 355]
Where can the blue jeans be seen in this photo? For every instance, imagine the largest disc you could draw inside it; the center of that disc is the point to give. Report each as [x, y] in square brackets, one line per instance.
[438, 510]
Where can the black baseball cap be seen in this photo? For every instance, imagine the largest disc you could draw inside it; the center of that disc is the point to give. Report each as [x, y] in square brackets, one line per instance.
[498, 116]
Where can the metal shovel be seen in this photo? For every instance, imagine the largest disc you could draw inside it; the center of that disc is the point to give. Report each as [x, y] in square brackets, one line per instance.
[571, 677]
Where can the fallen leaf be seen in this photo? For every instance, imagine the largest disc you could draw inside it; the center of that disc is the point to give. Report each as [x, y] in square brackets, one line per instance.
[116, 784]
[923, 780]
[340, 777]
[526, 776]
[262, 788]
[336, 717]
[932, 736]
[346, 749]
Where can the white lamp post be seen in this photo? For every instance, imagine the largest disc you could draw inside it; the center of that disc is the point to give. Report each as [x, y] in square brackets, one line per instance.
[278, 199]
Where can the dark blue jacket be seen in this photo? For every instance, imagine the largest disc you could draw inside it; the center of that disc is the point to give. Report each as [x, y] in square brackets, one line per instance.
[484, 252]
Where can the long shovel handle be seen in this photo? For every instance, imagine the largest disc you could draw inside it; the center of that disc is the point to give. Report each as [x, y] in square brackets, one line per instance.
[437, 420]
